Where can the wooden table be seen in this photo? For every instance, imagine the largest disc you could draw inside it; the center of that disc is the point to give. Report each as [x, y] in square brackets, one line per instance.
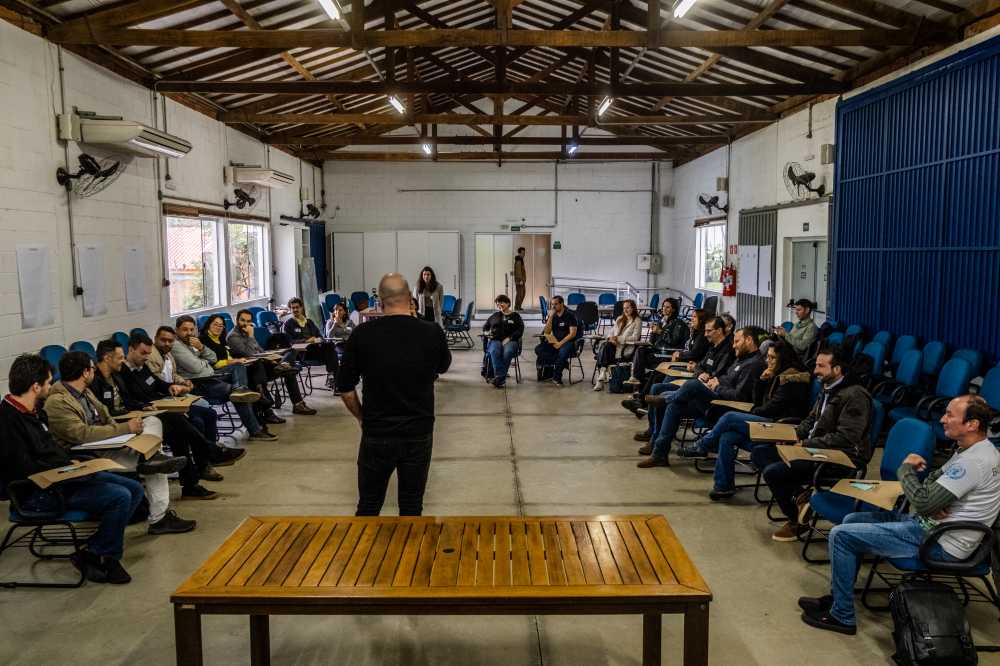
[482, 565]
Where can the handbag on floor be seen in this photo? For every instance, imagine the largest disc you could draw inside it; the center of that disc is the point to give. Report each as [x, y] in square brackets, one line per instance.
[929, 626]
[616, 378]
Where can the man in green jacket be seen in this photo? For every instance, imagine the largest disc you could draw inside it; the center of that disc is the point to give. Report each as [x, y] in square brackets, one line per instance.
[804, 332]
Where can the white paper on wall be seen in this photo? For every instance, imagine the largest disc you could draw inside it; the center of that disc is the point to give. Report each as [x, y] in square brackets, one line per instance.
[746, 277]
[764, 271]
[135, 278]
[35, 284]
[90, 260]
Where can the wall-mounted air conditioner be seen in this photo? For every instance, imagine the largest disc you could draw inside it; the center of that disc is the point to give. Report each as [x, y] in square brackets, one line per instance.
[122, 135]
[257, 176]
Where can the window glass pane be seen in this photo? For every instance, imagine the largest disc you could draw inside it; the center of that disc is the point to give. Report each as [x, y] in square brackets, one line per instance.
[192, 263]
[711, 249]
[247, 262]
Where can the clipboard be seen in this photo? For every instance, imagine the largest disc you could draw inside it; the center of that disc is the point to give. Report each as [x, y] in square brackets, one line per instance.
[664, 368]
[734, 404]
[144, 445]
[180, 404]
[45, 479]
[772, 432]
[137, 414]
[683, 374]
[679, 382]
[793, 453]
[882, 494]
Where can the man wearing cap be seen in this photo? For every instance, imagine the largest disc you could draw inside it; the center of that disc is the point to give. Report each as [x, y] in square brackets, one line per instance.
[803, 333]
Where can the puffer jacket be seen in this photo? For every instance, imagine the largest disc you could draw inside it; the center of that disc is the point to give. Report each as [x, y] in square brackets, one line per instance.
[844, 424]
[784, 396]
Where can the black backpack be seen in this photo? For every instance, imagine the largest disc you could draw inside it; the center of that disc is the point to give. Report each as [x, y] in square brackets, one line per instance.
[929, 626]
[617, 377]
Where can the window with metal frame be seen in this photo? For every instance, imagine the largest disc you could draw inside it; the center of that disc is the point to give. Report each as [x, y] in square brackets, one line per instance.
[710, 256]
[248, 261]
[194, 246]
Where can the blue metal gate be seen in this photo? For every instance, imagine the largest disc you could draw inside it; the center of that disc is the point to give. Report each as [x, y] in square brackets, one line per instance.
[916, 234]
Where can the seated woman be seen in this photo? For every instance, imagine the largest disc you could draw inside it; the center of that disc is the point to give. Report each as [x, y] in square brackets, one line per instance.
[339, 325]
[620, 345]
[781, 392]
[242, 344]
[300, 328]
[245, 371]
[668, 335]
[504, 328]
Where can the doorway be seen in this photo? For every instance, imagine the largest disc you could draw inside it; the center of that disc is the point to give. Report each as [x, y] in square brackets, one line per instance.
[809, 262]
[495, 268]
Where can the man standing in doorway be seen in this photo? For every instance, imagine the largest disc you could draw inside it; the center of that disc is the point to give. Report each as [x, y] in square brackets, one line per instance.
[520, 278]
[398, 357]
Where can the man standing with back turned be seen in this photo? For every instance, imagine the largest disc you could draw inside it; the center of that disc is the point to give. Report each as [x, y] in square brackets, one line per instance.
[398, 357]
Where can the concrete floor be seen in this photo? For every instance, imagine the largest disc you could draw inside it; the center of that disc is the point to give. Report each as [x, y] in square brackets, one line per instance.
[536, 449]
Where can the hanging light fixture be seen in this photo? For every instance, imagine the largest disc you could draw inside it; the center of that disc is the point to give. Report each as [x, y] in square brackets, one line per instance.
[605, 105]
[682, 7]
[572, 148]
[427, 149]
[396, 104]
[331, 9]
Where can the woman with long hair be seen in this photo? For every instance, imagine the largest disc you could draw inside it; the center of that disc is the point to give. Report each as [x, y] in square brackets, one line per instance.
[243, 370]
[430, 295]
[339, 325]
[620, 345]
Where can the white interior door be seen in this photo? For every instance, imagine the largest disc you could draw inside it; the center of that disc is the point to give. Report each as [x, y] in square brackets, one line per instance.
[411, 254]
[444, 256]
[380, 257]
[285, 262]
[503, 265]
[348, 263]
[484, 271]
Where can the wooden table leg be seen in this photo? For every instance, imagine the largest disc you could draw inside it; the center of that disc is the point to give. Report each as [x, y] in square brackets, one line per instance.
[696, 635]
[652, 634]
[187, 635]
[260, 641]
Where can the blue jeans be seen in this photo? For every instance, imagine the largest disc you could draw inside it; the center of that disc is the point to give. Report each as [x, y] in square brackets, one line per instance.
[730, 434]
[558, 358]
[236, 374]
[655, 413]
[501, 356]
[109, 498]
[691, 400]
[217, 390]
[881, 533]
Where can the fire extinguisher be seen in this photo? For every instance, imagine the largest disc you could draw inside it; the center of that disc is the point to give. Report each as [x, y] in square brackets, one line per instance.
[728, 279]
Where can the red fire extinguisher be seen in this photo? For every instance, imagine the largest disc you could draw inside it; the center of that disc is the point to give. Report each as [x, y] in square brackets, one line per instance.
[728, 279]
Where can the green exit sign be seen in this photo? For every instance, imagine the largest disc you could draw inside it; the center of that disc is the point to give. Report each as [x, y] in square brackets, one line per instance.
[517, 228]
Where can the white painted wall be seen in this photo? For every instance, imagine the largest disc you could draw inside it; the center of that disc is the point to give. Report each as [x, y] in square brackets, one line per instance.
[33, 207]
[603, 209]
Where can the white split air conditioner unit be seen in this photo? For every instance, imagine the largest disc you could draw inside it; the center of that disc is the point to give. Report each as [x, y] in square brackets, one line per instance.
[124, 135]
[258, 176]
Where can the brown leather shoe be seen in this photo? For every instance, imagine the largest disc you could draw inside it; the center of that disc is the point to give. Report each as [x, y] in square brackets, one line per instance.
[789, 532]
[655, 399]
[646, 450]
[643, 436]
[652, 462]
[304, 409]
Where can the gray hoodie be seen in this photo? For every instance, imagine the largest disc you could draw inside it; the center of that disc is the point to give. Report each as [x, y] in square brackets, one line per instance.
[192, 364]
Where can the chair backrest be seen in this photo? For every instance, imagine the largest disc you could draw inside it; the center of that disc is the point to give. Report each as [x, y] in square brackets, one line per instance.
[618, 309]
[654, 302]
[835, 338]
[876, 350]
[575, 298]
[954, 378]
[262, 319]
[711, 305]
[227, 321]
[885, 337]
[904, 344]
[787, 325]
[854, 329]
[544, 306]
[201, 319]
[121, 337]
[878, 418]
[934, 353]
[357, 297]
[990, 390]
[587, 314]
[908, 372]
[907, 436]
[468, 314]
[973, 356]
[138, 330]
[331, 300]
[815, 388]
[448, 304]
[254, 310]
[53, 354]
[607, 298]
[261, 335]
[84, 346]
[699, 300]
[325, 310]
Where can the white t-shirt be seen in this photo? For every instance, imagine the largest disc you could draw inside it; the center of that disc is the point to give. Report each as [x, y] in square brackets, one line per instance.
[973, 476]
[167, 374]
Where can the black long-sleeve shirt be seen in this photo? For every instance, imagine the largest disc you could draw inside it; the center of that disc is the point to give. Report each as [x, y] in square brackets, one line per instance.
[27, 447]
[738, 381]
[673, 334]
[695, 348]
[717, 359]
[500, 326]
[299, 333]
[142, 386]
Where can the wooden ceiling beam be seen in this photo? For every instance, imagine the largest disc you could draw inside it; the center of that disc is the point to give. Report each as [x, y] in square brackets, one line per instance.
[350, 140]
[491, 156]
[233, 117]
[130, 14]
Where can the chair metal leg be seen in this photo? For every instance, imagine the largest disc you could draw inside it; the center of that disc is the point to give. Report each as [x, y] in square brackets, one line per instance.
[813, 530]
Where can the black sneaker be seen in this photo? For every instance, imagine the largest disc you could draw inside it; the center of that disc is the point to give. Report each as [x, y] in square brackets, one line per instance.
[643, 436]
[693, 451]
[224, 457]
[816, 604]
[171, 523]
[89, 565]
[631, 404]
[161, 464]
[264, 436]
[273, 418]
[198, 492]
[209, 474]
[823, 620]
[721, 494]
[116, 574]
[557, 380]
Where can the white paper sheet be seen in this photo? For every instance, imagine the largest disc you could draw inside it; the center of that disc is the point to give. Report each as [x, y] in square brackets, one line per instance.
[90, 260]
[764, 271]
[109, 443]
[746, 277]
[34, 278]
[135, 278]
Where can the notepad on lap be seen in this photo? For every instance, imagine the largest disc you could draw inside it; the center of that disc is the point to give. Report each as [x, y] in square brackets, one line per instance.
[882, 494]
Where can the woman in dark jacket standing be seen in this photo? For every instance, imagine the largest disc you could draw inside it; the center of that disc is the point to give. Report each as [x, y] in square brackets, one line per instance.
[781, 392]
[504, 329]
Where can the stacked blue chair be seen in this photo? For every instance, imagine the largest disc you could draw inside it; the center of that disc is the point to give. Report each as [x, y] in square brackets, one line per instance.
[952, 382]
[699, 300]
[544, 306]
[448, 304]
[331, 300]
[835, 338]
[906, 437]
[53, 354]
[854, 329]
[990, 390]
[904, 344]
[457, 332]
[876, 351]
[575, 298]
[227, 320]
[973, 356]
[357, 297]
[201, 319]
[934, 357]
[254, 310]
[121, 338]
[606, 300]
[896, 390]
[85, 347]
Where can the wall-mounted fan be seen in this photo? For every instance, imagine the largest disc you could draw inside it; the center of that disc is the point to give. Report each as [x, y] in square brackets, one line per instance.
[243, 199]
[710, 202]
[800, 182]
[94, 175]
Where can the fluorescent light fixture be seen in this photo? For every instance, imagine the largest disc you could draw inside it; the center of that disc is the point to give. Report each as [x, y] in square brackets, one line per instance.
[156, 148]
[331, 9]
[572, 148]
[682, 7]
[605, 105]
[427, 149]
[396, 104]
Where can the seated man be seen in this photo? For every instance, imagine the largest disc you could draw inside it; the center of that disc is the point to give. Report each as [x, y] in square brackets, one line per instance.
[77, 417]
[562, 325]
[966, 488]
[840, 419]
[194, 361]
[504, 328]
[781, 391]
[693, 400]
[243, 344]
[804, 330]
[28, 448]
[299, 328]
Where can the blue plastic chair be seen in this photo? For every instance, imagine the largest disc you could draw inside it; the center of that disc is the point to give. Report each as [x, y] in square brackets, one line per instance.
[854, 329]
[544, 306]
[699, 300]
[575, 298]
[139, 330]
[835, 338]
[121, 337]
[254, 310]
[85, 347]
[876, 350]
[607, 298]
[953, 381]
[934, 353]
[331, 300]
[457, 332]
[906, 436]
[885, 337]
[264, 318]
[227, 321]
[53, 354]
[654, 303]
[990, 390]
[787, 325]
[448, 304]
[325, 310]
[903, 345]
[261, 335]
[357, 297]
[894, 391]
[973, 356]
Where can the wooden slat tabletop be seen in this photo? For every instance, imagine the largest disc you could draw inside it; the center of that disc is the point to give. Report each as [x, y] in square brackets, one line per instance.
[480, 557]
